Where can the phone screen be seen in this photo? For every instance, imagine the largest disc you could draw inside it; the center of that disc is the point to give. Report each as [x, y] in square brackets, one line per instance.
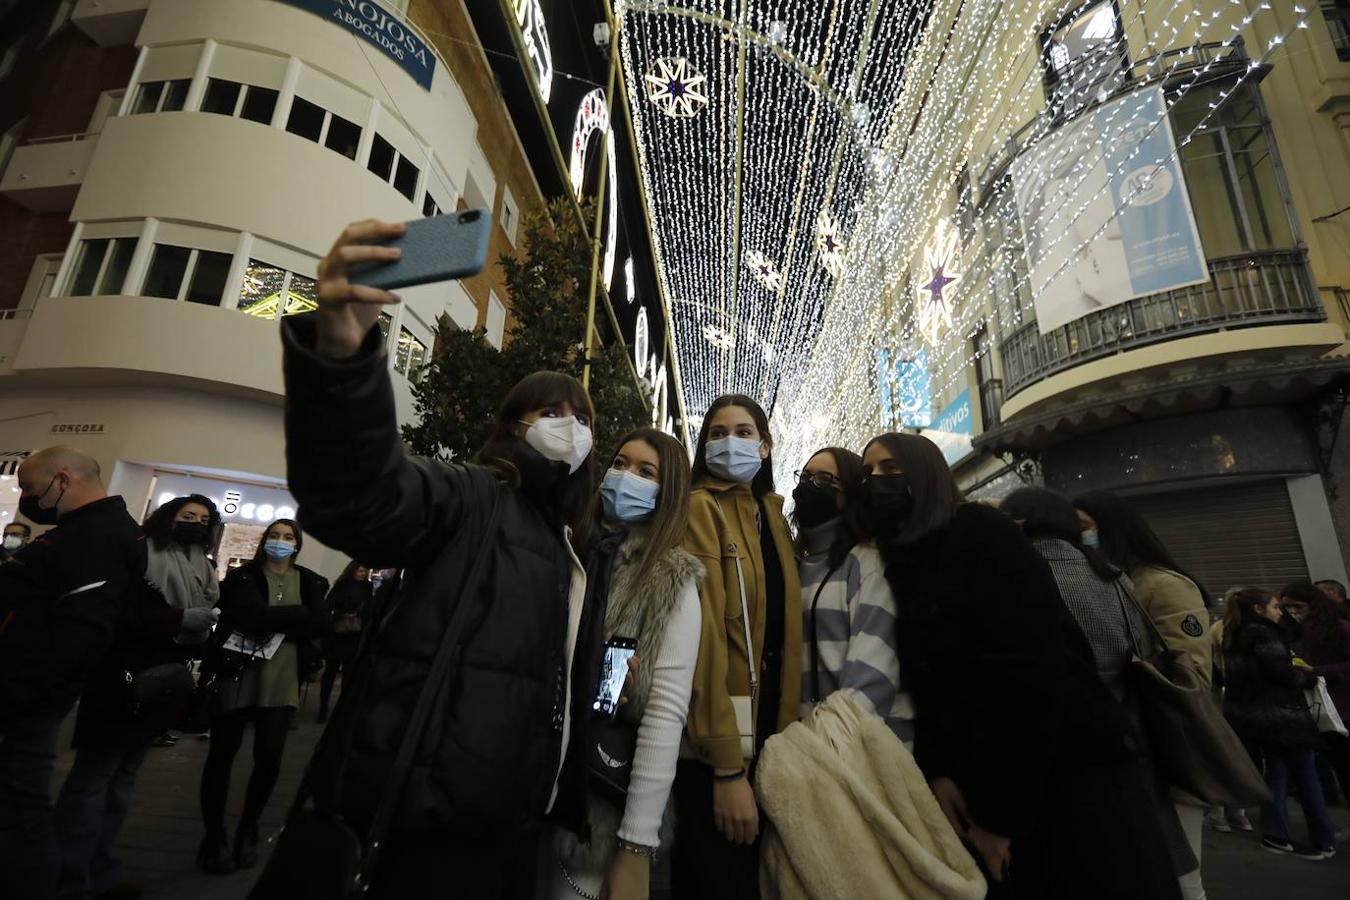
[613, 671]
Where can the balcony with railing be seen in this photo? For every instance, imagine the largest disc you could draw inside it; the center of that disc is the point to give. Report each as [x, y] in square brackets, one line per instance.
[45, 174]
[1262, 288]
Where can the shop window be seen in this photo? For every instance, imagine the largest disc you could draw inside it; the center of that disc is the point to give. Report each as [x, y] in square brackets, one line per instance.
[405, 179]
[343, 136]
[270, 291]
[101, 266]
[409, 355]
[221, 97]
[1084, 57]
[160, 96]
[381, 158]
[259, 104]
[1337, 14]
[306, 120]
[182, 273]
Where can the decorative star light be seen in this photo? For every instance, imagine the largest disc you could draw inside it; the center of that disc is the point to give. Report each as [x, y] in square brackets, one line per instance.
[718, 337]
[933, 304]
[765, 272]
[829, 244]
[675, 87]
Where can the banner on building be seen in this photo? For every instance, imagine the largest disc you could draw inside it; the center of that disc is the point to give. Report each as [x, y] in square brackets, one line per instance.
[953, 429]
[1105, 213]
[380, 28]
[904, 387]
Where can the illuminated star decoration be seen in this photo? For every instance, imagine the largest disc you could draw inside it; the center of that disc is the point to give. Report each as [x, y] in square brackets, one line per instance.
[765, 272]
[674, 87]
[933, 303]
[718, 337]
[829, 244]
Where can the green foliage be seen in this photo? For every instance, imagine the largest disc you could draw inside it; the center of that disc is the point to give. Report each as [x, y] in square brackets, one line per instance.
[467, 379]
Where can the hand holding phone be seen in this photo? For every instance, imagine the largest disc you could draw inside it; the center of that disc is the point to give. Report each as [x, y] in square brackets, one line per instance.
[613, 673]
[440, 248]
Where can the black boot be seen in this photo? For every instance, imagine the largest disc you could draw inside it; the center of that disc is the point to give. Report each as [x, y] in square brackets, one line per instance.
[214, 856]
[246, 845]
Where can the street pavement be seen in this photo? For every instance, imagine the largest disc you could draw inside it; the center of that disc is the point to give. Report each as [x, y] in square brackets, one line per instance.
[158, 845]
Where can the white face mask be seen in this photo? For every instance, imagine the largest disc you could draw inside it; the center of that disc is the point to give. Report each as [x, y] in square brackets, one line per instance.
[563, 439]
[13, 542]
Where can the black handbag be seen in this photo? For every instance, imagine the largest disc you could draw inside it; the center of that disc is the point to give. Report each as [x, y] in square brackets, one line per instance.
[158, 688]
[318, 855]
[609, 761]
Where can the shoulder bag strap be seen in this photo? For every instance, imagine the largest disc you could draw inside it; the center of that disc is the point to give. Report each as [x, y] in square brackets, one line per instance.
[448, 650]
[1124, 593]
[815, 644]
[745, 611]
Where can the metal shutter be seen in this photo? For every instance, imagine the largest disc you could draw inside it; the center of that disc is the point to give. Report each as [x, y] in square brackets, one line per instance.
[1241, 535]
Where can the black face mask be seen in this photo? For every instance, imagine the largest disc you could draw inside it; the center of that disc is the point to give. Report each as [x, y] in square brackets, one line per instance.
[30, 505]
[189, 533]
[888, 500]
[816, 505]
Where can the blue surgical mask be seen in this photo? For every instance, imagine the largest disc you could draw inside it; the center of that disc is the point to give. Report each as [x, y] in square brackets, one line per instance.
[1090, 538]
[279, 549]
[628, 498]
[734, 458]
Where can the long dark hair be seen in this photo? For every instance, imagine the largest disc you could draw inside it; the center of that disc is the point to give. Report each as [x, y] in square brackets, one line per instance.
[1043, 513]
[936, 495]
[665, 529]
[260, 555]
[850, 466]
[349, 572]
[763, 481]
[503, 446]
[1126, 537]
[1324, 615]
[1245, 601]
[158, 525]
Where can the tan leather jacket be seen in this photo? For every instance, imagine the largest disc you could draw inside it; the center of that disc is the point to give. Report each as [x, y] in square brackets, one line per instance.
[722, 528]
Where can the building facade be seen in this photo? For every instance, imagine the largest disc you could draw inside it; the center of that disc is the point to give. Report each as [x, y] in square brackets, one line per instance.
[171, 171]
[1215, 404]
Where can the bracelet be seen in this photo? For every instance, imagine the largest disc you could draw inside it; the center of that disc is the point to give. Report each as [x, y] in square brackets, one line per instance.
[639, 849]
[725, 779]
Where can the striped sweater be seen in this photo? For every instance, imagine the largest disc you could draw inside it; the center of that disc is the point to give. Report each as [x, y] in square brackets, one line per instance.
[853, 612]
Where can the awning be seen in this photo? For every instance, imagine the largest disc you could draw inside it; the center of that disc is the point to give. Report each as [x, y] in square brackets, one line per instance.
[1265, 384]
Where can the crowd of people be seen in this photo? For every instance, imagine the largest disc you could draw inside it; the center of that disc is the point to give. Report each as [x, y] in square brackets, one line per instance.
[994, 647]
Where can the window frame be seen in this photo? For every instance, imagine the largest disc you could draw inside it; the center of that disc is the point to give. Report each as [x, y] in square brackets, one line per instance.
[1051, 77]
[166, 88]
[111, 243]
[189, 274]
[1336, 15]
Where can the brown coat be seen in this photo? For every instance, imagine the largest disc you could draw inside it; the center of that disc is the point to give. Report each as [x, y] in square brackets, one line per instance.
[718, 541]
[1176, 606]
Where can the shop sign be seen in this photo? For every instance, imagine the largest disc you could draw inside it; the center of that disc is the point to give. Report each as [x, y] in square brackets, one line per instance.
[389, 33]
[78, 428]
[953, 428]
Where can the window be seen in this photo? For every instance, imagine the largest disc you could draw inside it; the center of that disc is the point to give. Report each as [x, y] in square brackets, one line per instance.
[965, 207]
[160, 96]
[991, 388]
[1084, 56]
[221, 97]
[409, 355]
[259, 104]
[381, 158]
[343, 136]
[100, 266]
[385, 161]
[405, 179]
[385, 322]
[429, 206]
[269, 291]
[509, 215]
[306, 119]
[1337, 14]
[182, 273]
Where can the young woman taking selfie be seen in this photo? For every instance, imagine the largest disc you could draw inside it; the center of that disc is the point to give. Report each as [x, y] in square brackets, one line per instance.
[748, 679]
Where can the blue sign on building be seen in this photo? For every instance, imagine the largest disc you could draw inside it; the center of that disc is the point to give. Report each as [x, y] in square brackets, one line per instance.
[903, 383]
[376, 26]
[953, 429]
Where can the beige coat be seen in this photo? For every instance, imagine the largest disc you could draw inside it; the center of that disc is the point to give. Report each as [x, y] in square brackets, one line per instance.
[1177, 607]
[852, 815]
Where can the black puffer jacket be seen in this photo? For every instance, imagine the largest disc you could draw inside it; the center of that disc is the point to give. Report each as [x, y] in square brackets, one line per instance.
[1263, 696]
[494, 741]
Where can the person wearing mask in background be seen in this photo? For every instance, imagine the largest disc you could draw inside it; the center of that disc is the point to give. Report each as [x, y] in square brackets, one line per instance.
[1324, 644]
[113, 733]
[1264, 702]
[511, 736]
[60, 598]
[17, 534]
[179, 535]
[1022, 743]
[651, 596]
[269, 595]
[1225, 819]
[1177, 604]
[349, 603]
[737, 530]
[847, 606]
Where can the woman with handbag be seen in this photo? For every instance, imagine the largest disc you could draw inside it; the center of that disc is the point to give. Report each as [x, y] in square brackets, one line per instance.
[1021, 742]
[349, 604]
[848, 610]
[651, 596]
[748, 679]
[268, 597]
[1264, 701]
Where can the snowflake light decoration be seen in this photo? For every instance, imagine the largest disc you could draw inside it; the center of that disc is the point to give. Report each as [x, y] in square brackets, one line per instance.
[675, 87]
[718, 337]
[933, 303]
[765, 272]
[829, 243]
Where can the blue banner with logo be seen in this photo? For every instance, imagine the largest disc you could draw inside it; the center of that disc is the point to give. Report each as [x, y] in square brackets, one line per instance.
[953, 429]
[903, 383]
[380, 28]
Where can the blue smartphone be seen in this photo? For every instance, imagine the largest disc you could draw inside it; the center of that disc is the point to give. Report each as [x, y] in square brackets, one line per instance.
[441, 248]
